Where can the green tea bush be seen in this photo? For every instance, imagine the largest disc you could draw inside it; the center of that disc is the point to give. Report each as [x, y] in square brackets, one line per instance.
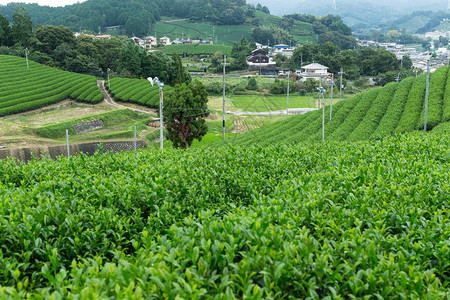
[374, 114]
[316, 220]
[413, 106]
[394, 111]
[23, 89]
[138, 91]
[356, 116]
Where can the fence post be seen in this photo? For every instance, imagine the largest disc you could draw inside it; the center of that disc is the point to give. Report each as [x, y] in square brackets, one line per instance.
[134, 139]
[67, 139]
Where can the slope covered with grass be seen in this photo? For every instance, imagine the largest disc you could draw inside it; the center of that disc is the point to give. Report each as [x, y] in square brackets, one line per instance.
[395, 108]
[23, 89]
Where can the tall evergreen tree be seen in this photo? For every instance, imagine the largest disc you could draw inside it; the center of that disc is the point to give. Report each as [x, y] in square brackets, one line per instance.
[22, 27]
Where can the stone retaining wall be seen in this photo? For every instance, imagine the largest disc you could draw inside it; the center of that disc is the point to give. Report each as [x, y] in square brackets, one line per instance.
[88, 126]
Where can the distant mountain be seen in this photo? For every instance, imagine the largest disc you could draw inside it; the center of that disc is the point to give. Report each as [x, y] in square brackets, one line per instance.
[370, 13]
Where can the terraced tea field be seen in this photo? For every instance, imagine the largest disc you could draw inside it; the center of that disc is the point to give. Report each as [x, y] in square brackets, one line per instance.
[23, 89]
[395, 108]
[138, 91]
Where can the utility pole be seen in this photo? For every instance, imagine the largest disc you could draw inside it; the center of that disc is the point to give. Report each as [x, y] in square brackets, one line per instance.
[26, 56]
[161, 99]
[331, 96]
[426, 93]
[287, 100]
[109, 84]
[340, 86]
[398, 77]
[223, 112]
[322, 94]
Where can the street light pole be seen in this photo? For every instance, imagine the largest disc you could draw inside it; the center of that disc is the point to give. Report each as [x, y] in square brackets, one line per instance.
[287, 100]
[426, 93]
[340, 85]
[223, 109]
[331, 92]
[109, 84]
[161, 98]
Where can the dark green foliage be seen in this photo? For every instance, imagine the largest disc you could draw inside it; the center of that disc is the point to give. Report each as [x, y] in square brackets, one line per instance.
[184, 114]
[252, 85]
[22, 27]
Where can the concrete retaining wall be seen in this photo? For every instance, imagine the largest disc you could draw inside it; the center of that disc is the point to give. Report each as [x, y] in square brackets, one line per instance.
[26, 154]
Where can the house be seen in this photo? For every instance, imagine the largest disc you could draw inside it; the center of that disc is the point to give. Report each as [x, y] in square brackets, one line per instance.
[313, 71]
[165, 41]
[177, 42]
[150, 41]
[138, 41]
[261, 62]
[258, 56]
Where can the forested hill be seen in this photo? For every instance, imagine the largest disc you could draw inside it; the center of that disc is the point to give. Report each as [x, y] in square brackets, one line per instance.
[134, 15]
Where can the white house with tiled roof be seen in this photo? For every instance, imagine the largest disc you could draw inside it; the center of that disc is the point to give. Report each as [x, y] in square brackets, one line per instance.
[313, 71]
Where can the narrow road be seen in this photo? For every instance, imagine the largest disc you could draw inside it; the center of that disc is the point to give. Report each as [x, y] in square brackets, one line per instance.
[109, 100]
[292, 111]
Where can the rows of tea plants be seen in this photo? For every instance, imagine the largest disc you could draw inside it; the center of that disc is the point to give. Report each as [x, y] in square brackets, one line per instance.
[23, 89]
[138, 91]
[395, 108]
[315, 220]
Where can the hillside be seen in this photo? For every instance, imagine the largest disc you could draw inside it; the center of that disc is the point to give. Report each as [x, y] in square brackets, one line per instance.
[319, 220]
[395, 108]
[228, 34]
[134, 17]
[23, 89]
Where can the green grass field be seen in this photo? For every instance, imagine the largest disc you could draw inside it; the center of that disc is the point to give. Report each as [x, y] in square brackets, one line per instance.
[23, 89]
[228, 34]
[195, 49]
[256, 103]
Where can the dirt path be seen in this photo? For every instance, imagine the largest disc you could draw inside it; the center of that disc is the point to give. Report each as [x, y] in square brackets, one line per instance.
[109, 100]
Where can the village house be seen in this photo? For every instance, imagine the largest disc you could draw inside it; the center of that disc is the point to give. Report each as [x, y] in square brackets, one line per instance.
[165, 41]
[313, 71]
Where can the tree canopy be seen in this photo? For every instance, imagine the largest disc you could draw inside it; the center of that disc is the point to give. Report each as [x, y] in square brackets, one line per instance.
[184, 113]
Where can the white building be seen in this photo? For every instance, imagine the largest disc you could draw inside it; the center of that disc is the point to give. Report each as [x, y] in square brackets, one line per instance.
[313, 71]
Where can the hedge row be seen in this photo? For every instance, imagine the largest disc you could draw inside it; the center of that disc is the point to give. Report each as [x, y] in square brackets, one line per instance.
[138, 91]
[413, 106]
[375, 113]
[395, 109]
[23, 89]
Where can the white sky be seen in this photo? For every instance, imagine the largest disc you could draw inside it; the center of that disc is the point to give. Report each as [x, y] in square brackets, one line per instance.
[43, 2]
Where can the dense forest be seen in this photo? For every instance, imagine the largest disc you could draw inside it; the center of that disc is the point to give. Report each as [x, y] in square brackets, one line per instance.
[135, 15]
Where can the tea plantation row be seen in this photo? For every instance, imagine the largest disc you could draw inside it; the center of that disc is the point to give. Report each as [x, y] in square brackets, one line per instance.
[395, 108]
[23, 89]
[138, 91]
[338, 220]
